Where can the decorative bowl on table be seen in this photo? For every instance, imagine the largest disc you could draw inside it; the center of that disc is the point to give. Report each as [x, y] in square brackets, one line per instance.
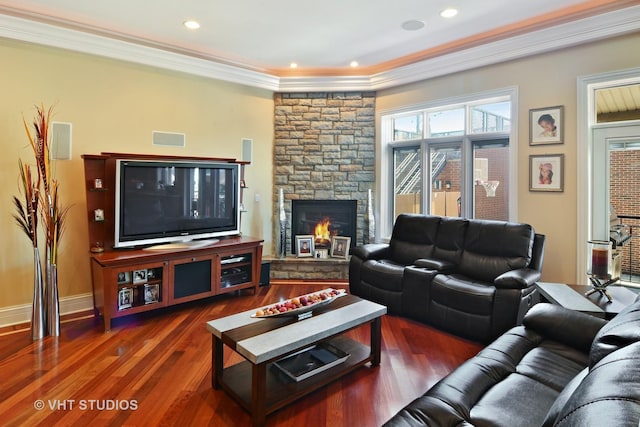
[301, 306]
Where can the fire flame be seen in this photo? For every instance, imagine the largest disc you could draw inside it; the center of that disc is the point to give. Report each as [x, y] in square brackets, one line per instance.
[322, 233]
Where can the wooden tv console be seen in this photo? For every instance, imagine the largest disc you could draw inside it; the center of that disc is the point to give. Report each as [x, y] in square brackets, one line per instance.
[133, 281]
[129, 281]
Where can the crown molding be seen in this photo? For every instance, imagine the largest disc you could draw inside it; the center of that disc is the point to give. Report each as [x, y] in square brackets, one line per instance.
[21, 29]
[585, 30]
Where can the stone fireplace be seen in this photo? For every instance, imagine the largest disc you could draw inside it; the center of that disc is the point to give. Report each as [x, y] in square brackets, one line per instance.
[324, 150]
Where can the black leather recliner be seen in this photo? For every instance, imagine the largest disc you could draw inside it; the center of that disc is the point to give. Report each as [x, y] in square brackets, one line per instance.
[473, 278]
[560, 368]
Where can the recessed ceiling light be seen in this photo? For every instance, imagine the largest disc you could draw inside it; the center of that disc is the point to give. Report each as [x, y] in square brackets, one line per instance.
[449, 13]
[293, 65]
[412, 25]
[354, 64]
[192, 25]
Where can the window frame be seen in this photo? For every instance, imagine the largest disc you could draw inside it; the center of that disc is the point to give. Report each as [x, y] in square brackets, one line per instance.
[385, 180]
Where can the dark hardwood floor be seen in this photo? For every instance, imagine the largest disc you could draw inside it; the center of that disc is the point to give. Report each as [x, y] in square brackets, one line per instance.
[155, 369]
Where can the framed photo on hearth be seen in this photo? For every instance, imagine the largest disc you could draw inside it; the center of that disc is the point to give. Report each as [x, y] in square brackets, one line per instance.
[340, 246]
[546, 172]
[305, 245]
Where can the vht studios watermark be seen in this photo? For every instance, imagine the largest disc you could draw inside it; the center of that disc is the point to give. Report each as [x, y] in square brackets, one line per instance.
[86, 405]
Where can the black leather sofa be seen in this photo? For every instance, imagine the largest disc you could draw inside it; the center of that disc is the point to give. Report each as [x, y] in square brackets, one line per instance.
[473, 278]
[559, 368]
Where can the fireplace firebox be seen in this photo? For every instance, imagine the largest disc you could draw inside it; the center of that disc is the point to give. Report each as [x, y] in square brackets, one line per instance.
[323, 219]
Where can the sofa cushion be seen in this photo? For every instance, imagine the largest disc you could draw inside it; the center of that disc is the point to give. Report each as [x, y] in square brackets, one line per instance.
[492, 248]
[621, 331]
[563, 398]
[384, 274]
[413, 237]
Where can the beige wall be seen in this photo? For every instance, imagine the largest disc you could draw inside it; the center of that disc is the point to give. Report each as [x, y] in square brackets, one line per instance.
[542, 81]
[114, 106]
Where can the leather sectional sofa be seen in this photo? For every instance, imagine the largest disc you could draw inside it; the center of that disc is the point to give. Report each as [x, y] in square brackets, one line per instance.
[473, 278]
[559, 368]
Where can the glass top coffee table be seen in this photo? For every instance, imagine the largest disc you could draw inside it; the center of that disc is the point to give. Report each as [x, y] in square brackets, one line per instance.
[256, 384]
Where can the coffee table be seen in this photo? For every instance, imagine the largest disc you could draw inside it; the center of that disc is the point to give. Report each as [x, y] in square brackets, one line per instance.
[261, 389]
[574, 297]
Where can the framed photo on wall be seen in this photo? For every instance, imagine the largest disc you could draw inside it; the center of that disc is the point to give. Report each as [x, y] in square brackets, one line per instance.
[340, 246]
[305, 246]
[546, 172]
[546, 125]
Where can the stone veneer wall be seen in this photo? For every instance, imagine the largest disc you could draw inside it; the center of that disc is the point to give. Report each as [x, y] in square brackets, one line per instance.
[324, 148]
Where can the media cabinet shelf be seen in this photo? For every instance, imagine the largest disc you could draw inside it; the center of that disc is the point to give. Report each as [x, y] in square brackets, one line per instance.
[181, 275]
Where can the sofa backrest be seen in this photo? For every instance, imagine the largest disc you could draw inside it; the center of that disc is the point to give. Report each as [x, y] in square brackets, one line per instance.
[413, 237]
[450, 239]
[495, 247]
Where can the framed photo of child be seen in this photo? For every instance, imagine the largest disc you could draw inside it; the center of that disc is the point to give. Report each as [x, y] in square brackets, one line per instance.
[305, 245]
[546, 125]
[340, 247]
[546, 172]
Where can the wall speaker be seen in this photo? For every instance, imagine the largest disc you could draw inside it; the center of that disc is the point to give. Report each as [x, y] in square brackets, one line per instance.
[60, 141]
[247, 150]
[170, 139]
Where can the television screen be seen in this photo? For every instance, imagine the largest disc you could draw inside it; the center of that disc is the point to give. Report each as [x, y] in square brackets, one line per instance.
[173, 201]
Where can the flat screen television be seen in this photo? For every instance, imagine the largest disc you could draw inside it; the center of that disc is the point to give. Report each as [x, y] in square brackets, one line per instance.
[175, 202]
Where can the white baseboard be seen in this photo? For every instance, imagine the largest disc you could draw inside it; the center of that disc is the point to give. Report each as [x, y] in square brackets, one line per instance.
[18, 314]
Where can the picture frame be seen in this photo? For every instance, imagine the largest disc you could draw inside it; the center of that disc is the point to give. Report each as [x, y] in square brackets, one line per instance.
[151, 293]
[98, 215]
[340, 247]
[322, 253]
[125, 298]
[139, 276]
[124, 277]
[546, 172]
[305, 245]
[546, 125]
[97, 183]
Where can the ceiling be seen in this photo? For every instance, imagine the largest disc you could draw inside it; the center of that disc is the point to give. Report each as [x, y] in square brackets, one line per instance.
[323, 38]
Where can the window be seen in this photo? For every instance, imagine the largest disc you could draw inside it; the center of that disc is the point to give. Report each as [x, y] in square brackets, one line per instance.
[407, 178]
[449, 159]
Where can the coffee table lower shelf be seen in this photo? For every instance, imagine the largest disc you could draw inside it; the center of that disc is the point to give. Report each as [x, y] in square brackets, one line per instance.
[281, 390]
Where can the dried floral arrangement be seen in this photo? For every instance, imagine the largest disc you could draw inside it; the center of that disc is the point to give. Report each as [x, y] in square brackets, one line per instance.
[40, 200]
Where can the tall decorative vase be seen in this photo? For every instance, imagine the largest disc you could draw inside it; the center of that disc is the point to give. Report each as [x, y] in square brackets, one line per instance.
[53, 305]
[37, 309]
[369, 221]
[282, 241]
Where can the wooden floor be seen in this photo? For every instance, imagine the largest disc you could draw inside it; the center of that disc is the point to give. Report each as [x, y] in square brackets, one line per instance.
[155, 370]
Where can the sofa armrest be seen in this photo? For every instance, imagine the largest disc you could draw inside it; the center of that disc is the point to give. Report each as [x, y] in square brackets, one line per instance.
[563, 325]
[372, 251]
[435, 264]
[517, 279]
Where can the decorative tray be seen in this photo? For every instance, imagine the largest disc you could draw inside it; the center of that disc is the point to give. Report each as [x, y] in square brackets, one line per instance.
[301, 306]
